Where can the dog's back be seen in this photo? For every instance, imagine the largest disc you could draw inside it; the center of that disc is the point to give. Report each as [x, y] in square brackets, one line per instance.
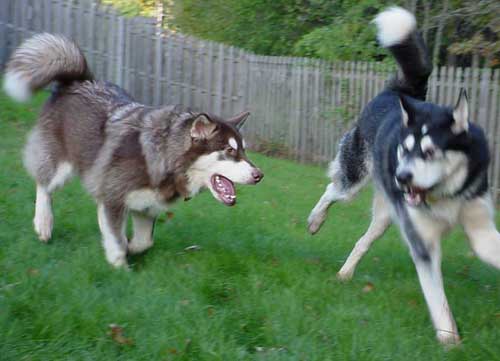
[79, 116]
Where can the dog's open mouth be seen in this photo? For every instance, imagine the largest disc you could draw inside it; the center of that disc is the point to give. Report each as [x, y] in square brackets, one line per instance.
[224, 189]
[414, 196]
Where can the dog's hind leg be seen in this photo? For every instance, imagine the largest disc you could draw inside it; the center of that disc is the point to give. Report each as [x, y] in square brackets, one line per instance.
[381, 220]
[349, 172]
[319, 212]
[43, 220]
[143, 233]
[429, 230]
[477, 218]
[112, 224]
[41, 156]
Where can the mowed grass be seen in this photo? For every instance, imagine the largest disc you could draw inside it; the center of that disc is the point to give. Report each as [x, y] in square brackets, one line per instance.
[259, 288]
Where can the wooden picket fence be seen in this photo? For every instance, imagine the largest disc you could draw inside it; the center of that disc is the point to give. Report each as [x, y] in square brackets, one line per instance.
[300, 107]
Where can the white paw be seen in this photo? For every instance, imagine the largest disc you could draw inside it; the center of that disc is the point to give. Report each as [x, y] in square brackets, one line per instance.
[315, 221]
[138, 247]
[43, 226]
[120, 262]
[448, 338]
[117, 260]
[344, 275]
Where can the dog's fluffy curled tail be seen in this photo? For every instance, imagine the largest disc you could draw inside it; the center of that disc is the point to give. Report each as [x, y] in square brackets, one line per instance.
[397, 31]
[40, 60]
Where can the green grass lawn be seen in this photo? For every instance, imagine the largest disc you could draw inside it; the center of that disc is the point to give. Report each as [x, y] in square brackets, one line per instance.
[260, 288]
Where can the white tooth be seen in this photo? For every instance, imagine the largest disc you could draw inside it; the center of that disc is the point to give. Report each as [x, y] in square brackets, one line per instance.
[232, 197]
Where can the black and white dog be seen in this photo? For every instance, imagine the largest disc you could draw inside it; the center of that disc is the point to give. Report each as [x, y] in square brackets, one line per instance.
[429, 165]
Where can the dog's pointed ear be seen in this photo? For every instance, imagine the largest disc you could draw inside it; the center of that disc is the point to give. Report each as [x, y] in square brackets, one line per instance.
[406, 112]
[203, 127]
[238, 120]
[461, 114]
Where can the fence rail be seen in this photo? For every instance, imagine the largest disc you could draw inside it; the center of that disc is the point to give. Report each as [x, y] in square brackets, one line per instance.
[300, 107]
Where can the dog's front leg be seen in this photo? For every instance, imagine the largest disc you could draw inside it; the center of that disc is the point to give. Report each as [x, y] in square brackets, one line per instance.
[477, 218]
[429, 273]
[143, 233]
[112, 223]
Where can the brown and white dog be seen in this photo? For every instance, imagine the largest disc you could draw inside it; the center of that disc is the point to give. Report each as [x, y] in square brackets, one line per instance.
[132, 158]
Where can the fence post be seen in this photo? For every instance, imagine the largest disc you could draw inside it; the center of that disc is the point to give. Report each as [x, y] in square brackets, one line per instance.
[482, 114]
[158, 67]
[121, 53]
[111, 49]
[4, 8]
[188, 71]
[495, 142]
[220, 80]
[229, 110]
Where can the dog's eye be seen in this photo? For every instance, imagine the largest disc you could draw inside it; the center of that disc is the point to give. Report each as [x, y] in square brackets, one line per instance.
[429, 153]
[230, 150]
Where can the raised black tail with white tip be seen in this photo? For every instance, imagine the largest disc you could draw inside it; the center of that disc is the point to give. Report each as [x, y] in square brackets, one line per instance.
[397, 31]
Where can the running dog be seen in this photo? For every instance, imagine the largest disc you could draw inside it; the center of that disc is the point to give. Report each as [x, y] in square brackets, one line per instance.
[429, 165]
[131, 158]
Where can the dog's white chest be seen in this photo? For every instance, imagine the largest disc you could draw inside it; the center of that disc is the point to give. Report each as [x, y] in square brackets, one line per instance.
[446, 210]
[147, 201]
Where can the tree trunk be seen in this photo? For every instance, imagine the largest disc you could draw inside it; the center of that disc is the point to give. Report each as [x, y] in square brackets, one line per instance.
[439, 33]
[425, 23]
[475, 60]
[411, 5]
[451, 59]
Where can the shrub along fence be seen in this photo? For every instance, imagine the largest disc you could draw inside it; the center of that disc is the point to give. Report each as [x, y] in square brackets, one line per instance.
[300, 107]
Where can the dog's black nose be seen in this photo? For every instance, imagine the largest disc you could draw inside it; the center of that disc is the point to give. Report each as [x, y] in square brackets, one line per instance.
[404, 177]
[257, 175]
